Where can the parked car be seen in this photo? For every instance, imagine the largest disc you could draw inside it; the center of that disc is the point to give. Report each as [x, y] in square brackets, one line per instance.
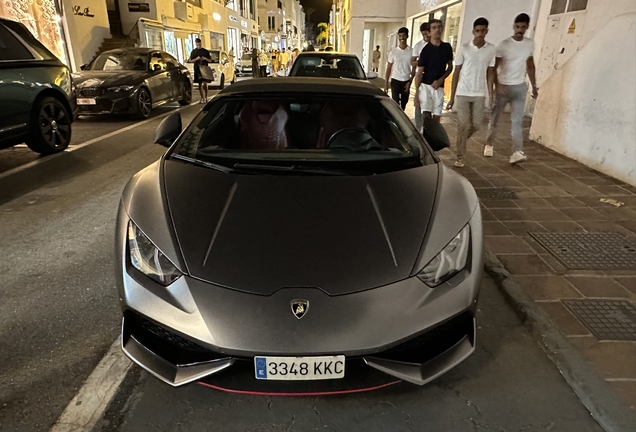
[37, 99]
[223, 67]
[244, 65]
[131, 80]
[306, 233]
[329, 65]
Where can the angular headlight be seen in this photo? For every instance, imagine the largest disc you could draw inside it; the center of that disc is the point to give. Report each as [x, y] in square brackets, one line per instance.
[146, 258]
[449, 262]
[124, 88]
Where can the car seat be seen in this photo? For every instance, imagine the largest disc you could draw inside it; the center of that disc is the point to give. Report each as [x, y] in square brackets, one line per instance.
[263, 126]
[339, 115]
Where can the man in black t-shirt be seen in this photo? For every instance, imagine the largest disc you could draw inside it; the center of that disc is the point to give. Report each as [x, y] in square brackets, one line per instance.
[200, 57]
[435, 64]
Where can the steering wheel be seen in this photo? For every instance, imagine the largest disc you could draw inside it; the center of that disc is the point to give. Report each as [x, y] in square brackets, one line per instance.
[362, 141]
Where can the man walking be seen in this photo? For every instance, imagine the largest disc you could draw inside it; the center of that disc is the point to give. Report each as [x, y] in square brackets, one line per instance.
[376, 59]
[417, 50]
[434, 66]
[399, 70]
[475, 63]
[514, 60]
[284, 61]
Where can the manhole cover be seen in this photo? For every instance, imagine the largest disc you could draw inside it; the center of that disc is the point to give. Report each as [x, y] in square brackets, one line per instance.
[606, 319]
[590, 251]
[495, 193]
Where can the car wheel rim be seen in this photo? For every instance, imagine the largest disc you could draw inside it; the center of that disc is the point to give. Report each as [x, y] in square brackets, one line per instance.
[144, 104]
[55, 125]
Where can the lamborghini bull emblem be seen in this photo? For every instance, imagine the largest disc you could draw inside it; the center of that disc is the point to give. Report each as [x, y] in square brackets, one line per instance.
[299, 308]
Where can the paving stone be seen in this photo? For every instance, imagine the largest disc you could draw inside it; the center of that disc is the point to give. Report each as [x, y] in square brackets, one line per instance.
[550, 191]
[525, 265]
[507, 245]
[599, 287]
[512, 215]
[524, 192]
[612, 191]
[604, 226]
[523, 228]
[629, 224]
[495, 229]
[486, 215]
[627, 391]
[611, 359]
[628, 282]
[562, 226]
[565, 202]
[584, 214]
[548, 215]
[596, 181]
[533, 203]
[567, 323]
[498, 204]
[547, 287]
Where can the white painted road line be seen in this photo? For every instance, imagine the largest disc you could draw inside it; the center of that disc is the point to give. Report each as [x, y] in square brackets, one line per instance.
[86, 143]
[90, 403]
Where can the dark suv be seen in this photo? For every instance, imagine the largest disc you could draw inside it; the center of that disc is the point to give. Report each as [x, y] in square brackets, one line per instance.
[37, 100]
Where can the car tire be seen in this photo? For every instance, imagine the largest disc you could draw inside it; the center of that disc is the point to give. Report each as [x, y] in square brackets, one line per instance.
[234, 79]
[50, 126]
[186, 97]
[143, 103]
[222, 84]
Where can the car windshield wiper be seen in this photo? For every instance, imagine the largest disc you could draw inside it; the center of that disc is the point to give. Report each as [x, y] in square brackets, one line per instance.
[293, 168]
[217, 167]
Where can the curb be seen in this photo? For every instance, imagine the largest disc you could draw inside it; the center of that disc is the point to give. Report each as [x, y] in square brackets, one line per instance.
[609, 411]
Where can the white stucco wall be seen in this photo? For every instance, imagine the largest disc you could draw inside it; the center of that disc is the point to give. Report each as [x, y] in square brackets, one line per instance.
[587, 109]
[379, 9]
[85, 34]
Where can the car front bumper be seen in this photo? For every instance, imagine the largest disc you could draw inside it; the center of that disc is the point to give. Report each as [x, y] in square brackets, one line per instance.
[192, 329]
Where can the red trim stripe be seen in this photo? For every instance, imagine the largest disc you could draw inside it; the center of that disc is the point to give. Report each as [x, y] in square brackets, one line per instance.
[306, 394]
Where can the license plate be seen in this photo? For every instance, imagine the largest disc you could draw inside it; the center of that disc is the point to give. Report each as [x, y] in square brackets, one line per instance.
[299, 368]
[86, 101]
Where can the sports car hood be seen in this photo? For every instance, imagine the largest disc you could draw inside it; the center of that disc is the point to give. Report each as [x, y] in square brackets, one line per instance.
[107, 79]
[262, 233]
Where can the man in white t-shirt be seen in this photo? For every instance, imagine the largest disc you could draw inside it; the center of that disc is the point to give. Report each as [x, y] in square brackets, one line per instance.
[514, 60]
[425, 29]
[474, 65]
[399, 70]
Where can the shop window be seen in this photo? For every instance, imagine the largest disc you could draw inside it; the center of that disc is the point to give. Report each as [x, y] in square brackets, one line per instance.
[558, 7]
[451, 27]
[577, 5]
[11, 48]
[154, 39]
[196, 3]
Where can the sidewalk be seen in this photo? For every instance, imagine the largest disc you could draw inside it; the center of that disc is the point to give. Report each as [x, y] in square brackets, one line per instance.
[546, 199]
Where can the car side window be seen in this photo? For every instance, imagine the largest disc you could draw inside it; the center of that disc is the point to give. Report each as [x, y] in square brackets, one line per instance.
[224, 58]
[171, 62]
[11, 49]
[157, 63]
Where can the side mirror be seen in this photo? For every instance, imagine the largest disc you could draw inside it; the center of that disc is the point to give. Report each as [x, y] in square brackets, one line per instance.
[169, 130]
[372, 75]
[82, 67]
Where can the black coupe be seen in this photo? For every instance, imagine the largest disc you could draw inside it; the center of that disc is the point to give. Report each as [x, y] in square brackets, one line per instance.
[131, 80]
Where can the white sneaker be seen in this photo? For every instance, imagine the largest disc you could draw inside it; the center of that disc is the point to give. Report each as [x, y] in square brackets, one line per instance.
[489, 151]
[518, 157]
[459, 163]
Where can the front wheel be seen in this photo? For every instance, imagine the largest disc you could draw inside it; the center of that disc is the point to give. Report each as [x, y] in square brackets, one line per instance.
[50, 127]
[144, 104]
[186, 97]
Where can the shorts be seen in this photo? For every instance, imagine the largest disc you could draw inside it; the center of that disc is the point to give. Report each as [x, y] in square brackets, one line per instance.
[432, 100]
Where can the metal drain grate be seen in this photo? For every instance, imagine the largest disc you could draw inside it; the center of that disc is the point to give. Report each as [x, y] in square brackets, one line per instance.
[606, 319]
[495, 193]
[590, 251]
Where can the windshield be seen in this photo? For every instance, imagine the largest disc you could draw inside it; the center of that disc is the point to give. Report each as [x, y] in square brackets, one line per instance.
[368, 134]
[328, 66]
[120, 61]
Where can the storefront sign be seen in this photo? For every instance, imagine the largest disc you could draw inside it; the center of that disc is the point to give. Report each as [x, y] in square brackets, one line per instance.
[138, 7]
[77, 10]
[233, 18]
[244, 23]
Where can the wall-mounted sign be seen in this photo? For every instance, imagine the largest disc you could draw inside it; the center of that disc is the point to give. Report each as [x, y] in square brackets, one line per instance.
[244, 23]
[233, 18]
[138, 7]
[77, 10]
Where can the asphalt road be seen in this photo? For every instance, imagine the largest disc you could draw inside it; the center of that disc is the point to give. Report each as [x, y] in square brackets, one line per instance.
[58, 304]
[59, 315]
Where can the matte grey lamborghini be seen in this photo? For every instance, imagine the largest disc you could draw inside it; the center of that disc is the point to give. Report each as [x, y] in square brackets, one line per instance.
[303, 231]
